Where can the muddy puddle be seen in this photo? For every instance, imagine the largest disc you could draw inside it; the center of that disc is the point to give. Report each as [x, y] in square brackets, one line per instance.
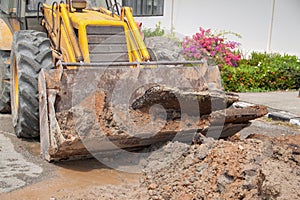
[57, 180]
[73, 177]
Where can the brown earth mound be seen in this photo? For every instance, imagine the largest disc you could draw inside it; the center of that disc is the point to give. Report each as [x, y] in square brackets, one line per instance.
[258, 167]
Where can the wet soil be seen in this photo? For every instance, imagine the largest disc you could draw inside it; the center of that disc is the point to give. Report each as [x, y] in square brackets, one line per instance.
[245, 166]
[94, 117]
[71, 179]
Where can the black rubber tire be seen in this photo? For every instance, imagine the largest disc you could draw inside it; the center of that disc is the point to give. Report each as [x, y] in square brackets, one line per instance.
[30, 53]
[4, 82]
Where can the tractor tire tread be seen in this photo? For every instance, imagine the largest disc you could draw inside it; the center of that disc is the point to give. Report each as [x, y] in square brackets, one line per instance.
[32, 52]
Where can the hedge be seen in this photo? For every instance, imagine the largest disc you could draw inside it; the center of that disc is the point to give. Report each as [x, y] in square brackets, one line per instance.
[262, 72]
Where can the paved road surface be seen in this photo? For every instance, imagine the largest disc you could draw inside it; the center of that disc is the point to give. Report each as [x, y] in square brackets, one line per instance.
[286, 101]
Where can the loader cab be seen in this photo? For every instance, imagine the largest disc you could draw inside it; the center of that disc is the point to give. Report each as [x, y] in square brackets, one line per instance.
[25, 11]
[102, 37]
[101, 3]
[108, 4]
[20, 8]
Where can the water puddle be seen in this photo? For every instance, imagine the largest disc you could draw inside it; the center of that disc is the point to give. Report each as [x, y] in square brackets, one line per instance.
[72, 178]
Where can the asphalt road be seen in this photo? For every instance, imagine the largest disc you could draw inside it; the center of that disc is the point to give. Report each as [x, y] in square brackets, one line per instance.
[288, 101]
[20, 164]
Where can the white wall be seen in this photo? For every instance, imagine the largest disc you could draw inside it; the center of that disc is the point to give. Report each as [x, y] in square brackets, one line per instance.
[286, 32]
[165, 20]
[249, 18]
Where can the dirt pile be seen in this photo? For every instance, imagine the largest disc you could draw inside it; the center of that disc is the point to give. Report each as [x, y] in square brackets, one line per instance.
[256, 168]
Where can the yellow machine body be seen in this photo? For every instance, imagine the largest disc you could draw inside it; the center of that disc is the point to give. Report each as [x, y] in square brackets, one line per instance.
[7, 27]
[63, 83]
[61, 21]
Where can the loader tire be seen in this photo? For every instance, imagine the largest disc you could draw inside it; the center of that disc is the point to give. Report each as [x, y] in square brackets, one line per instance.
[4, 82]
[30, 53]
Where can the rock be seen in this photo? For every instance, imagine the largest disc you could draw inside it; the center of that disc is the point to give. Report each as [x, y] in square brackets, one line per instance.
[152, 186]
[164, 49]
[223, 182]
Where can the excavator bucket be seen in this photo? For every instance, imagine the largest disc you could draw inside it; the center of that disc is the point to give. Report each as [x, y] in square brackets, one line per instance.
[104, 107]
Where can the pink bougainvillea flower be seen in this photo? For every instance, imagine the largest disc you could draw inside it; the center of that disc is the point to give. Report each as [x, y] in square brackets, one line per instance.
[206, 45]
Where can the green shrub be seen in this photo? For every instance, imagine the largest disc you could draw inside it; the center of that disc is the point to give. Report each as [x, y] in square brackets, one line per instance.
[158, 31]
[263, 72]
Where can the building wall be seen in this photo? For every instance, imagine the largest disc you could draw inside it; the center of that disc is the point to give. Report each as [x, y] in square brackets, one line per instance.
[251, 19]
[286, 33]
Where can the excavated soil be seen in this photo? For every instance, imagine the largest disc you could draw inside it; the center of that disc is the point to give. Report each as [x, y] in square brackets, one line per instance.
[258, 167]
[94, 116]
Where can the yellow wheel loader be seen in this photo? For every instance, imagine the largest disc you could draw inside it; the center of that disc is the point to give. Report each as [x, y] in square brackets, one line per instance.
[81, 80]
